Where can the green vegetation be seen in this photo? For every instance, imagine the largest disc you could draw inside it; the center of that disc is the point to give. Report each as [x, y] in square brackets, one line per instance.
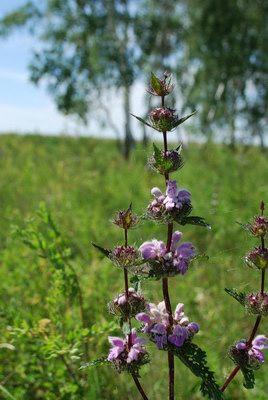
[84, 182]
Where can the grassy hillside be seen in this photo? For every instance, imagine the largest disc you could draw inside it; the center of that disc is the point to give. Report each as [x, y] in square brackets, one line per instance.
[84, 182]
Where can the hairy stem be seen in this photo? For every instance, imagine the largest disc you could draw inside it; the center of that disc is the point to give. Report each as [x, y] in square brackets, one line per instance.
[126, 292]
[254, 330]
[139, 387]
[165, 284]
[129, 338]
[262, 280]
[230, 378]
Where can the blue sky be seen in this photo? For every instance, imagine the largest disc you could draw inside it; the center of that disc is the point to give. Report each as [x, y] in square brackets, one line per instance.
[25, 108]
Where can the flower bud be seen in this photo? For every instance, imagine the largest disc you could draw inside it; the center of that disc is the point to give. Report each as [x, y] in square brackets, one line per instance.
[249, 354]
[257, 258]
[163, 119]
[127, 306]
[161, 87]
[257, 303]
[126, 219]
[165, 162]
[125, 256]
[259, 226]
[125, 357]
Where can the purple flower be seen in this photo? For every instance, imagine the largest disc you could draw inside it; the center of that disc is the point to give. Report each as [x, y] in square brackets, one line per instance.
[193, 327]
[241, 345]
[254, 353]
[120, 352]
[175, 198]
[143, 317]
[137, 347]
[156, 325]
[178, 258]
[179, 335]
[153, 250]
[122, 298]
[172, 201]
[118, 347]
[182, 257]
[260, 342]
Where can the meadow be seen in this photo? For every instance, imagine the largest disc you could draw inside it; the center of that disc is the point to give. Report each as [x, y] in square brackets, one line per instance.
[83, 182]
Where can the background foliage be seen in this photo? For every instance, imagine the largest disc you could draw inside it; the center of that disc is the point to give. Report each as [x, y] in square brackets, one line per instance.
[83, 182]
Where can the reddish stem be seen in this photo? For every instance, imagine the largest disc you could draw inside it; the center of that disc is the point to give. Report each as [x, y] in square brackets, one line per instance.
[254, 330]
[230, 378]
[139, 387]
[262, 280]
[165, 285]
[134, 376]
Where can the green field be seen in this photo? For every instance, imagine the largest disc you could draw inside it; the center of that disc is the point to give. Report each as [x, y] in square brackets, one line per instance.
[84, 182]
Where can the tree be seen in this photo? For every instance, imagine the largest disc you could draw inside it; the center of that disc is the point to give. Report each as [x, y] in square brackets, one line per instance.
[88, 46]
[227, 57]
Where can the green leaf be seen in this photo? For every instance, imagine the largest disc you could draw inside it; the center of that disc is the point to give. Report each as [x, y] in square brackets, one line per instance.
[157, 154]
[155, 83]
[239, 296]
[194, 358]
[6, 393]
[142, 120]
[193, 220]
[96, 363]
[7, 346]
[126, 328]
[249, 378]
[104, 251]
[183, 119]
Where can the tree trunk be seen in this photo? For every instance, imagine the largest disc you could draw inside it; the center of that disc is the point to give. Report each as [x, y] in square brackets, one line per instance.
[144, 137]
[129, 140]
[260, 134]
[232, 133]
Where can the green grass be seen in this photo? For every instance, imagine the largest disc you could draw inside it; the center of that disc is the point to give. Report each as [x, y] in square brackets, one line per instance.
[84, 182]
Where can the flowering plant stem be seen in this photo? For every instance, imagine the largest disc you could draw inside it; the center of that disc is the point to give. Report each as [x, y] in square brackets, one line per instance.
[134, 376]
[165, 285]
[256, 325]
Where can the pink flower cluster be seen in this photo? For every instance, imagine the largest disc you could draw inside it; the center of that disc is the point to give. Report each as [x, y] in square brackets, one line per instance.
[257, 303]
[121, 299]
[172, 200]
[178, 257]
[257, 258]
[156, 324]
[162, 113]
[259, 227]
[120, 353]
[254, 351]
